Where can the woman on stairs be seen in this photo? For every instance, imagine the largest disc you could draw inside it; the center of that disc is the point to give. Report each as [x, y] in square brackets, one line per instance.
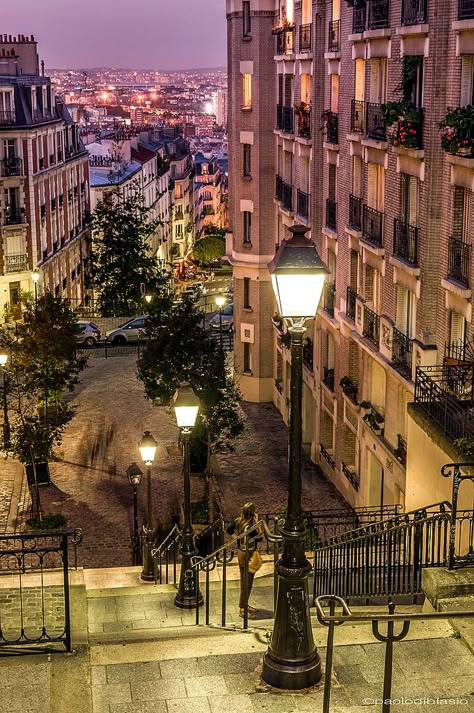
[242, 524]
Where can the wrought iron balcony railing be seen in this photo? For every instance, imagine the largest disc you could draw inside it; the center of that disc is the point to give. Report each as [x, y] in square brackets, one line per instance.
[328, 378]
[372, 226]
[333, 38]
[308, 353]
[402, 350]
[466, 9]
[459, 258]
[374, 128]
[303, 121]
[445, 393]
[7, 118]
[351, 303]
[305, 38]
[355, 212]
[331, 119]
[16, 263]
[350, 475]
[14, 217]
[413, 12]
[284, 193]
[278, 188]
[373, 418]
[329, 297]
[357, 116]
[285, 116]
[285, 40]
[371, 326]
[327, 457]
[302, 204]
[378, 14]
[331, 214]
[11, 166]
[358, 19]
[405, 241]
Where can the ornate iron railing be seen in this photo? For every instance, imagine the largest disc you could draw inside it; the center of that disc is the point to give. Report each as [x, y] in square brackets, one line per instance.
[285, 40]
[355, 212]
[445, 394]
[278, 188]
[285, 118]
[14, 216]
[305, 38]
[302, 204]
[351, 303]
[465, 9]
[329, 298]
[402, 350]
[331, 119]
[374, 127]
[378, 14]
[413, 12]
[357, 116]
[303, 123]
[34, 612]
[333, 36]
[7, 117]
[372, 226]
[358, 18]
[16, 263]
[328, 378]
[405, 241]
[373, 418]
[287, 196]
[371, 326]
[350, 475]
[459, 257]
[11, 166]
[331, 214]
[327, 457]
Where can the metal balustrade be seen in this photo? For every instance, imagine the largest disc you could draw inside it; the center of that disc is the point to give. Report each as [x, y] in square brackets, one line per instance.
[7, 118]
[331, 214]
[351, 303]
[350, 475]
[308, 353]
[304, 44]
[378, 14]
[402, 351]
[303, 123]
[371, 326]
[357, 116]
[327, 457]
[405, 241]
[459, 258]
[329, 298]
[445, 394]
[374, 127]
[466, 10]
[285, 115]
[302, 204]
[333, 36]
[358, 19]
[16, 263]
[331, 119]
[372, 226]
[355, 212]
[328, 378]
[413, 12]
[11, 166]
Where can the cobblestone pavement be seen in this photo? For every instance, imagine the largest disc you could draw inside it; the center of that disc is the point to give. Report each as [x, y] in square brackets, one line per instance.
[90, 486]
[10, 480]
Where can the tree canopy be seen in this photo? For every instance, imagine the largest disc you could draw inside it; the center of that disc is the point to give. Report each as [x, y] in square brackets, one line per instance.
[209, 249]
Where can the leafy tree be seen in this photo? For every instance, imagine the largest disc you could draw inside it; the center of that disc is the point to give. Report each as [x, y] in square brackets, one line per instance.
[120, 259]
[209, 249]
[213, 230]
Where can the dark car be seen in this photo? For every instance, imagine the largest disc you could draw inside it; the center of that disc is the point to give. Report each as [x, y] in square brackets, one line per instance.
[227, 319]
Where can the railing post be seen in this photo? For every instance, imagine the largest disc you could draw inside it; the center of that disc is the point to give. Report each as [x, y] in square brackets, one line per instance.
[67, 610]
[388, 667]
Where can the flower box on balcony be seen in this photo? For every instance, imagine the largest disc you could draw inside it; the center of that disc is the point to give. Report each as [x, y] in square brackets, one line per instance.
[403, 123]
[456, 131]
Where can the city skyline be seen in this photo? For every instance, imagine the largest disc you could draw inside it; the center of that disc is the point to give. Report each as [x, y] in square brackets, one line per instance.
[143, 45]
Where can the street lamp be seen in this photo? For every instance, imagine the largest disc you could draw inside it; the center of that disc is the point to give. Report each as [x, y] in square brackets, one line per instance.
[186, 407]
[6, 423]
[220, 302]
[147, 448]
[134, 475]
[292, 660]
[35, 276]
[148, 298]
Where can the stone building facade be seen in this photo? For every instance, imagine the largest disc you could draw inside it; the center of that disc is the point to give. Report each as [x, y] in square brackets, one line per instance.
[343, 123]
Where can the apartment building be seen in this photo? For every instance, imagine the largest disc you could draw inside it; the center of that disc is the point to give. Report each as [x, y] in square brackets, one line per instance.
[208, 179]
[44, 182]
[335, 112]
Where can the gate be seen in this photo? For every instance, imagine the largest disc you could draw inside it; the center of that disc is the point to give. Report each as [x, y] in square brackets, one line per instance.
[34, 589]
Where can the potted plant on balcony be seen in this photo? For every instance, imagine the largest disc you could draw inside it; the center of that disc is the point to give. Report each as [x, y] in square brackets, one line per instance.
[401, 118]
[456, 131]
[400, 455]
[302, 107]
[349, 388]
[375, 421]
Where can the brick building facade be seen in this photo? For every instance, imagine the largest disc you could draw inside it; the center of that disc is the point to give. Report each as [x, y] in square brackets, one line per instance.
[334, 113]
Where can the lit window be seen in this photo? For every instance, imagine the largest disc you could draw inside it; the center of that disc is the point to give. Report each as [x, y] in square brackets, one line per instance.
[246, 91]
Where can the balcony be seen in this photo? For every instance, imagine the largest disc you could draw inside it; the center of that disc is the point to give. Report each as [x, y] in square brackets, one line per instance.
[358, 19]
[303, 119]
[15, 263]
[407, 132]
[373, 418]
[331, 119]
[285, 40]
[331, 213]
[308, 353]
[466, 10]
[327, 457]
[350, 475]
[459, 257]
[401, 450]
[402, 350]
[355, 212]
[413, 12]
[374, 127]
[378, 14]
[372, 226]
[329, 297]
[333, 36]
[305, 38]
[13, 216]
[405, 241]
[7, 118]
[11, 166]
[302, 204]
[284, 193]
[285, 116]
[351, 303]
[371, 326]
[278, 188]
[357, 116]
[328, 378]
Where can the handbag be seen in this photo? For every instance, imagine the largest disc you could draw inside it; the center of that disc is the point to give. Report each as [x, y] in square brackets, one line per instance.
[255, 562]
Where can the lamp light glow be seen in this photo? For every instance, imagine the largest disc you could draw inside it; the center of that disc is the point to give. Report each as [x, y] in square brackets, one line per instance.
[220, 300]
[148, 299]
[134, 475]
[3, 358]
[186, 407]
[147, 448]
[35, 276]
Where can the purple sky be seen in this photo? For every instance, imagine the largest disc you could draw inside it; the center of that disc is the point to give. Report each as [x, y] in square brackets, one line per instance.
[156, 34]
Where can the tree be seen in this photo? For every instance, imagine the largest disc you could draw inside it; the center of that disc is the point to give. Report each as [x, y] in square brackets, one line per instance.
[120, 259]
[209, 249]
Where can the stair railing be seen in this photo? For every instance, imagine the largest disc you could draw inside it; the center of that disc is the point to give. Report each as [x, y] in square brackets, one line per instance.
[166, 555]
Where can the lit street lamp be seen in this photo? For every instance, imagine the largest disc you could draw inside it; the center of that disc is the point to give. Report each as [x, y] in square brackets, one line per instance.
[292, 660]
[147, 448]
[6, 423]
[220, 302]
[186, 407]
[35, 276]
[134, 475]
[148, 298]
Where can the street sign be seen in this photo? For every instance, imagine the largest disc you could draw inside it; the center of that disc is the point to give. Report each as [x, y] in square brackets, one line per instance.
[142, 288]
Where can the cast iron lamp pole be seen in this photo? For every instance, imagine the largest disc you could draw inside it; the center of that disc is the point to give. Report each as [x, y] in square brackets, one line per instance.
[220, 302]
[147, 448]
[6, 422]
[292, 660]
[35, 277]
[134, 475]
[186, 407]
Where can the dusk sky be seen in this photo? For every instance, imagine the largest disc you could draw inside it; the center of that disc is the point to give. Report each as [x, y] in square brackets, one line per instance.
[155, 34]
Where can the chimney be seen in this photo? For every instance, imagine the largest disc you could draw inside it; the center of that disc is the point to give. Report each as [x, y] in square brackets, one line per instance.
[42, 67]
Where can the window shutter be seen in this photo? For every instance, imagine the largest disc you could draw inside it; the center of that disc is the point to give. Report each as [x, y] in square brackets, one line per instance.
[467, 215]
[332, 182]
[467, 80]
[330, 351]
[413, 201]
[457, 331]
[402, 307]
[458, 212]
[380, 188]
[374, 80]
[369, 283]
[334, 93]
[356, 176]
[354, 269]
[372, 185]
[280, 88]
[359, 79]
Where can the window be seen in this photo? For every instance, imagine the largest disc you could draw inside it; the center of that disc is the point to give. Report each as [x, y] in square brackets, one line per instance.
[246, 28]
[376, 186]
[409, 199]
[467, 80]
[305, 88]
[246, 91]
[247, 222]
[334, 90]
[378, 80]
[247, 292]
[332, 182]
[405, 315]
[246, 170]
[247, 362]
[462, 201]
[457, 328]
[359, 80]
[354, 273]
[413, 87]
[9, 148]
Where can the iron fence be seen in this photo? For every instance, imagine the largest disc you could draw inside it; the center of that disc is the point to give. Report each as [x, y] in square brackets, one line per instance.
[413, 12]
[278, 188]
[327, 456]
[402, 351]
[371, 326]
[445, 394]
[287, 196]
[372, 226]
[350, 475]
[405, 241]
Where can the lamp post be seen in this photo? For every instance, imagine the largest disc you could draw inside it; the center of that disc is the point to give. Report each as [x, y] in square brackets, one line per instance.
[147, 448]
[292, 660]
[35, 276]
[6, 422]
[148, 298]
[134, 475]
[220, 302]
[186, 407]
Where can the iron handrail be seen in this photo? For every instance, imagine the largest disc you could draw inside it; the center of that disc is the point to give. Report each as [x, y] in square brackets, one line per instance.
[164, 548]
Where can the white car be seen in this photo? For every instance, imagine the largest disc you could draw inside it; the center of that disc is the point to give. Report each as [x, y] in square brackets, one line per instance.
[131, 331]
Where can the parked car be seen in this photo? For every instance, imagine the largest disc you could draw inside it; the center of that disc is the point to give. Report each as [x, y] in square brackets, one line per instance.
[227, 319]
[196, 290]
[131, 331]
[88, 333]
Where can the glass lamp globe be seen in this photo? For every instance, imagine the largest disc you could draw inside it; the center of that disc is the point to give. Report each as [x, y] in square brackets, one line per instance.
[147, 447]
[186, 407]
